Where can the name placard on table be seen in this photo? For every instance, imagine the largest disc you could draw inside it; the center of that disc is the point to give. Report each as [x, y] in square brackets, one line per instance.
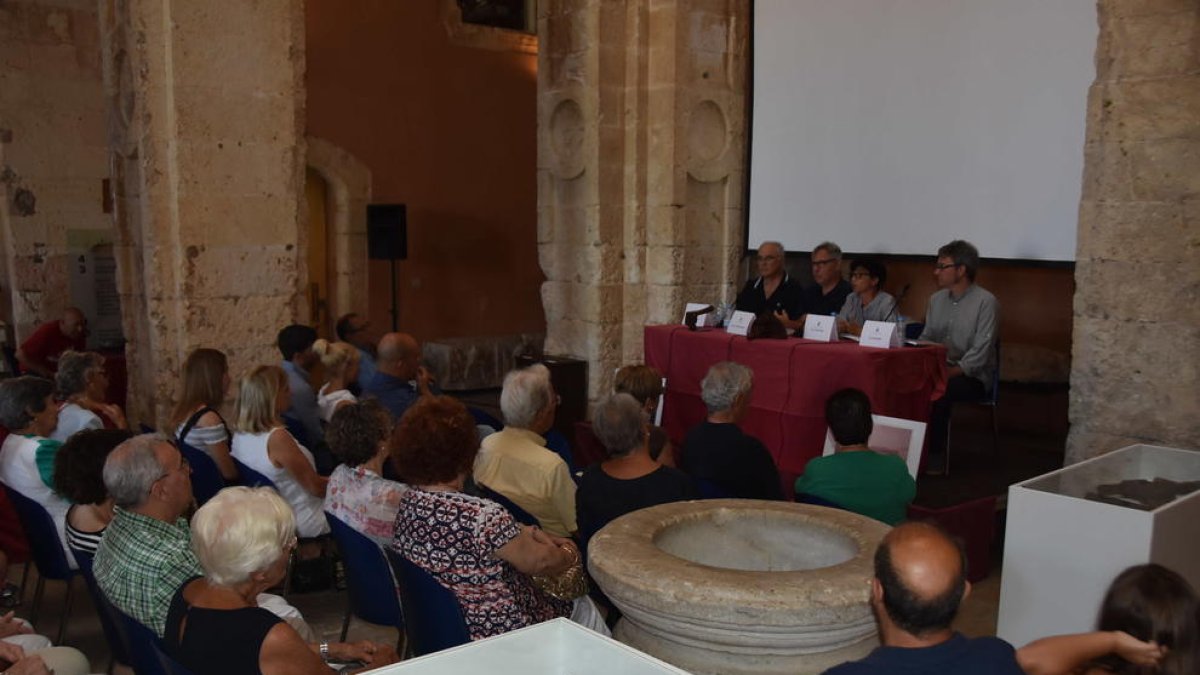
[740, 322]
[820, 328]
[879, 334]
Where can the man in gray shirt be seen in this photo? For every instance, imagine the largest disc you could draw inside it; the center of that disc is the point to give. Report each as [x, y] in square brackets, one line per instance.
[965, 318]
[295, 345]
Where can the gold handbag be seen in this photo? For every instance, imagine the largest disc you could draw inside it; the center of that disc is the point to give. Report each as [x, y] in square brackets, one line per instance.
[569, 584]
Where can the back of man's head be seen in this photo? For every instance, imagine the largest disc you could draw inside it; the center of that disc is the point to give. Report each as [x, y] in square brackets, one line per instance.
[395, 348]
[922, 574]
[295, 339]
[848, 414]
[131, 470]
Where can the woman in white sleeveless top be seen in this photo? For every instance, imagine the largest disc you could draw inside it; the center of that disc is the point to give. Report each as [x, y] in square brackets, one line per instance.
[261, 442]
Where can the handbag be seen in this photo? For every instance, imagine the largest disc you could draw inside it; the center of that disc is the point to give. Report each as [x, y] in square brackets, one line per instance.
[569, 584]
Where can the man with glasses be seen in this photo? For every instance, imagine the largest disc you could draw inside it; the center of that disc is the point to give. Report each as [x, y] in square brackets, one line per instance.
[964, 317]
[829, 290]
[773, 290]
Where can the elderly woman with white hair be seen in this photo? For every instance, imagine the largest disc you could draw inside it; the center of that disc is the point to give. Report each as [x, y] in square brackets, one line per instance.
[515, 461]
[716, 453]
[629, 479]
[243, 538]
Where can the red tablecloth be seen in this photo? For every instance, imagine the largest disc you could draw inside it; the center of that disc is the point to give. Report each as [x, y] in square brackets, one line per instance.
[792, 380]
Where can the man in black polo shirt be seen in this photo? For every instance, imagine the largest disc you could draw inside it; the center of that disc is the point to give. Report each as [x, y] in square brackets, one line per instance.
[920, 580]
[773, 290]
[829, 290]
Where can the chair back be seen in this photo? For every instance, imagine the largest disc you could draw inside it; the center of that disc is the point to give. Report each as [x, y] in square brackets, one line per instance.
[296, 429]
[435, 619]
[369, 580]
[805, 498]
[993, 395]
[588, 449]
[251, 478]
[519, 514]
[47, 548]
[710, 490]
[484, 418]
[144, 647]
[206, 477]
[110, 621]
[559, 445]
[913, 329]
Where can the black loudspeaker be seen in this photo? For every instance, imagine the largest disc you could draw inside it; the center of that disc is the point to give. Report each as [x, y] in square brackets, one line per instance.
[387, 232]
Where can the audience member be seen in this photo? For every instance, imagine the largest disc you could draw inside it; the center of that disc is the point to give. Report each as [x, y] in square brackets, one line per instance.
[79, 477]
[472, 546]
[829, 290]
[340, 360]
[1149, 623]
[645, 384]
[355, 329]
[773, 290]
[629, 480]
[965, 317]
[145, 554]
[717, 451]
[263, 443]
[857, 478]
[39, 353]
[243, 538]
[515, 461]
[196, 418]
[358, 494]
[920, 581]
[399, 378]
[295, 344]
[27, 409]
[868, 302]
[82, 385]
[16, 659]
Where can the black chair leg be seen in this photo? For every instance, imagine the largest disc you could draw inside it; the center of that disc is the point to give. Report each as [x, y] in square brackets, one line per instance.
[37, 600]
[62, 622]
[345, 625]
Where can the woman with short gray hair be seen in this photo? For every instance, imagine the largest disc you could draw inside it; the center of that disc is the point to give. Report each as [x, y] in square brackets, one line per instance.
[629, 479]
[724, 461]
[82, 384]
[243, 538]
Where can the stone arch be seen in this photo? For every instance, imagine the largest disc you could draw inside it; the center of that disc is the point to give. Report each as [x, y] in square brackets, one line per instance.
[349, 183]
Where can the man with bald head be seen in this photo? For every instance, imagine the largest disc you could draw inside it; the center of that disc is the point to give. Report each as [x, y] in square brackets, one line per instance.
[920, 581]
[399, 378]
[773, 290]
[39, 353]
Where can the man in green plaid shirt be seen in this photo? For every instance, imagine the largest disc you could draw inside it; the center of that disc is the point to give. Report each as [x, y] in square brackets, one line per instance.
[146, 553]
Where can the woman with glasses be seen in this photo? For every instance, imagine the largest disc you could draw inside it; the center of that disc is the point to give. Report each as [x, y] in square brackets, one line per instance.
[243, 538]
[868, 302]
[82, 384]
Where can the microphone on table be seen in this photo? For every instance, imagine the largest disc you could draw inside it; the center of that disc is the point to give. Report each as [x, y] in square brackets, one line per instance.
[899, 298]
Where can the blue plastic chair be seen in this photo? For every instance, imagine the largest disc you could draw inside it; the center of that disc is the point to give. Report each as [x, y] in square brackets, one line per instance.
[805, 498]
[48, 554]
[369, 580]
[710, 490]
[913, 329]
[519, 514]
[206, 477]
[110, 619]
[251, 478]
[296, 429]
[435, 619]
[146, 650]
[484, 418]
[558, 444]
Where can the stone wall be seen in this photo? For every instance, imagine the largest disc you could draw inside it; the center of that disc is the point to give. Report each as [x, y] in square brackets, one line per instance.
[207, 148]
[641, 144]
[1136, 351]
[53, 157]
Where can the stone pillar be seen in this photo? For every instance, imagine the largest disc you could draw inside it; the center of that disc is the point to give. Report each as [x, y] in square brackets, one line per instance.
[1136, 360]
[641, 148]
[206, 133]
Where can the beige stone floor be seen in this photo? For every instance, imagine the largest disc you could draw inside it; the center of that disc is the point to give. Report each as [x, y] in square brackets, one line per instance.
[324, 612]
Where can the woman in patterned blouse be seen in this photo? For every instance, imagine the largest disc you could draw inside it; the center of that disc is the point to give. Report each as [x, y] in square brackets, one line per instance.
[358, 494]
[472, 546]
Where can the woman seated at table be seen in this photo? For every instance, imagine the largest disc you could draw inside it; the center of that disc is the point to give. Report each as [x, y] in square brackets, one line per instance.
[645, 384]
[243, 538]
[868, 302]
[78, 469]
[358, 494]
[724, 461]
[196, 418]
[472, 546]
[82, 384]
[857, 478]
[340, 360]
[629, 480]
[263, 443]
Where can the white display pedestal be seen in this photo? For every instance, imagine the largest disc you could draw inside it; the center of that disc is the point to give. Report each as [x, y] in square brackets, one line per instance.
[1062, 551]
[557, 646]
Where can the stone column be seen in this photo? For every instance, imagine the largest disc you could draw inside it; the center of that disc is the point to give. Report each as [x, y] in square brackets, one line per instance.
[641, 148]
[206, 110]
[1136, 360]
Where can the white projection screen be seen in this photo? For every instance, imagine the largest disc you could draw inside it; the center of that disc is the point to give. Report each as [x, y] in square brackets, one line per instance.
[894, 126]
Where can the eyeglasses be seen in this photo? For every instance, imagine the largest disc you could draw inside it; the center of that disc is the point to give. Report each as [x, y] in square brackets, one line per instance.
[183, 466]
[818, 263]
[941, 266]
[859, 275]
[766, 258]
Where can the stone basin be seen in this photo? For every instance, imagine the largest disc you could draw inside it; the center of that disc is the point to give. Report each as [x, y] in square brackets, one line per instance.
[740, 585]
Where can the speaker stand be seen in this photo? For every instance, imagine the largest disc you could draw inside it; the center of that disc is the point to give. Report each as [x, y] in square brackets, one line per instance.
[395, 309]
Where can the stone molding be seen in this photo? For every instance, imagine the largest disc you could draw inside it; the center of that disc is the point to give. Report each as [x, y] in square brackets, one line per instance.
[349, 182]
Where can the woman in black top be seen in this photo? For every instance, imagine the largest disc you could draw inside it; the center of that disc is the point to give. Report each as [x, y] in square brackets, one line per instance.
[629, 480]
[243, 538]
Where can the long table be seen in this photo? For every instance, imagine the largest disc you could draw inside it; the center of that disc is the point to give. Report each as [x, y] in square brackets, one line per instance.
[792, 380]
